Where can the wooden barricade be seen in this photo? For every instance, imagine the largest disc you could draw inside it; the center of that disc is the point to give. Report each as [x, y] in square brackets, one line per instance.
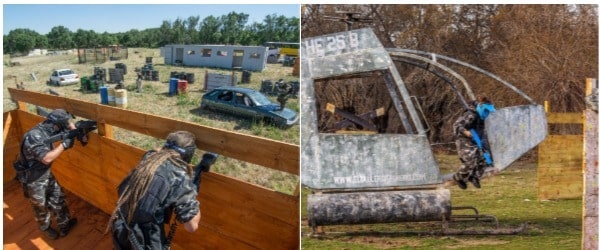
[235, 214]
[559, 161]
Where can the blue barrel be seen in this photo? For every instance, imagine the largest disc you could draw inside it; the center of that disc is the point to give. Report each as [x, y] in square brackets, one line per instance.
[104, 94]
[173, 86]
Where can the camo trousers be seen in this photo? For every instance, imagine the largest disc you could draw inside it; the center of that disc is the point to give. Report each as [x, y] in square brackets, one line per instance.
[47, 197]
[473, 163]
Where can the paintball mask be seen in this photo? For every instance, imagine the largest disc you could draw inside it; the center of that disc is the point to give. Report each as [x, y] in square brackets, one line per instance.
[182, 142]
[60, 118]
[484, 109]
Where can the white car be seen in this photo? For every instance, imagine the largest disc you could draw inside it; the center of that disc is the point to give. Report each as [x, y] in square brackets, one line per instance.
[62, 77]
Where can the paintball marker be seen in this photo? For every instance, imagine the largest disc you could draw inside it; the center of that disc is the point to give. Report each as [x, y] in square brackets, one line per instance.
[82, 128]
[208, 159]
[486, 153]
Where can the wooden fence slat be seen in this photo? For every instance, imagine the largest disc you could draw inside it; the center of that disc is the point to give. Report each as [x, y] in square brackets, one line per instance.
[564, 118]
[12, 140]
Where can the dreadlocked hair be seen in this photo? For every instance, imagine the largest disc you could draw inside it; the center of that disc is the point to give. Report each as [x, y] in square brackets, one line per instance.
[141, 178]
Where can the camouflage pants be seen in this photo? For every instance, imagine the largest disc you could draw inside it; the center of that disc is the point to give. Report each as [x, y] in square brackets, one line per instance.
[282, 99]
[46, 197]
[473, 163]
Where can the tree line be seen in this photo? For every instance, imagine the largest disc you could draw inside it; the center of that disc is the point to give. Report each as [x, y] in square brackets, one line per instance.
[546, 51]
[231, 29]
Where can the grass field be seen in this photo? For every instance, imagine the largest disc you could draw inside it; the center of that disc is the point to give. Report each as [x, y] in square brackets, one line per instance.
[154, 99]
[511, 196]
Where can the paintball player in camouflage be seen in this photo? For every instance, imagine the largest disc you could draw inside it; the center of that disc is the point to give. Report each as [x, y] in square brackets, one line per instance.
[162, 183]
[285, 90]
[33, 171]
[473, 161]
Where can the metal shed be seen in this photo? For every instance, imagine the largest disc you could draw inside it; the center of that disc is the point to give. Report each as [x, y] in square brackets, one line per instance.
[252, 58]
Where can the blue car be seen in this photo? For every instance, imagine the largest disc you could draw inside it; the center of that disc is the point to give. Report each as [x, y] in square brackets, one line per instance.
[248, 103]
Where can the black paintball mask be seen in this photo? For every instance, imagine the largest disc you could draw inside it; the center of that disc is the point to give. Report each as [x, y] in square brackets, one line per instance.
[60, 118]
[183, 143]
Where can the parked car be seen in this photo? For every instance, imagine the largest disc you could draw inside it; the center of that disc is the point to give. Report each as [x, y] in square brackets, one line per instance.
[62, 77]
[248, 103]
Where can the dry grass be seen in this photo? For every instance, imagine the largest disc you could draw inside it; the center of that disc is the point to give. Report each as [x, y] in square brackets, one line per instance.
[155, 100]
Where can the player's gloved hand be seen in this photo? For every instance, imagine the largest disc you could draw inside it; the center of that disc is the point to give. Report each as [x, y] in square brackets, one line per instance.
[67, 143]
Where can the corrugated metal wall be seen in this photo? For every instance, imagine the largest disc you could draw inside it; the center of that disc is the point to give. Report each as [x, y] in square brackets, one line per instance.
[253, 58]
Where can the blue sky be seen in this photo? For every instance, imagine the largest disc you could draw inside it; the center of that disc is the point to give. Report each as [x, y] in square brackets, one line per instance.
[114, 18]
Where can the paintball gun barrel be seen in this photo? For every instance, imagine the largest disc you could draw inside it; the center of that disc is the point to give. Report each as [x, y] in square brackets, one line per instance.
[486, 153]
[208, 159]
[82, 128]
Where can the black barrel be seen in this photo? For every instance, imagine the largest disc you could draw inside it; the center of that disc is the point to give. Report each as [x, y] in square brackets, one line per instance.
[190, 77]
[266, 86]
[246, 76]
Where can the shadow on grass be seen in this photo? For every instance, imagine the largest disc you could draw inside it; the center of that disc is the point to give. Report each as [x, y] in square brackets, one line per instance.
[241, 123]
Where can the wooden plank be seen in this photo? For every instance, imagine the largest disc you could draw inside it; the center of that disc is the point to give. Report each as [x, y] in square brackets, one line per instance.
[265, 214]
[24, 232]
[274, 154]
[558, 180]
[558, 169]
[564, 118]
[559, 192]
[12, 141]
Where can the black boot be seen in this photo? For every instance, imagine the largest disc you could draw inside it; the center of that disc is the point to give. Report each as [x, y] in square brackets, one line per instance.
[475, 181]
[51, 233]
[461, 184]
[65, 230]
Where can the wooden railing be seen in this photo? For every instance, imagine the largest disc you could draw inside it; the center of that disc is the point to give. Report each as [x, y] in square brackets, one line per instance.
[235, 214]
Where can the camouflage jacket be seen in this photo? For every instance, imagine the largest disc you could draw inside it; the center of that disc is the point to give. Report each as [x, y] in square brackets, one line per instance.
[171, 190]
[467, 121]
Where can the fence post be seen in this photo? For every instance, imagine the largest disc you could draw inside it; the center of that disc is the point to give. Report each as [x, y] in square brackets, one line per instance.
[590, 170]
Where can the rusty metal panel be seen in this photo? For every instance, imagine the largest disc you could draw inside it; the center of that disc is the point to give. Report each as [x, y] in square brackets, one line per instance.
[512, 131]
[367, 161]
[378, 207]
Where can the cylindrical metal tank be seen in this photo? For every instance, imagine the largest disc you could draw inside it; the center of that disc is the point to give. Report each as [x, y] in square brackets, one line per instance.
[378, 207]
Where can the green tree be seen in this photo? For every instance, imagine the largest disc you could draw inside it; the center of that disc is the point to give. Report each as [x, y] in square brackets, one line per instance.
[210, 30]
[192, 29]
[165, 33]
[233, 24]
[23, 41]
[60, 37]
[132, 38]
[105, 39]
[86, 38]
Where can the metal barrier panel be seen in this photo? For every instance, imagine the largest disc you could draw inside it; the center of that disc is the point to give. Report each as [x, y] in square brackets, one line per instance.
[343, 53]
[343, 161]
[512, 131]
[371, 161]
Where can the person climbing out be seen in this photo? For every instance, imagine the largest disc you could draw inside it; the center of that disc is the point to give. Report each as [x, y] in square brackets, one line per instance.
[471, 156]
[285, 90]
